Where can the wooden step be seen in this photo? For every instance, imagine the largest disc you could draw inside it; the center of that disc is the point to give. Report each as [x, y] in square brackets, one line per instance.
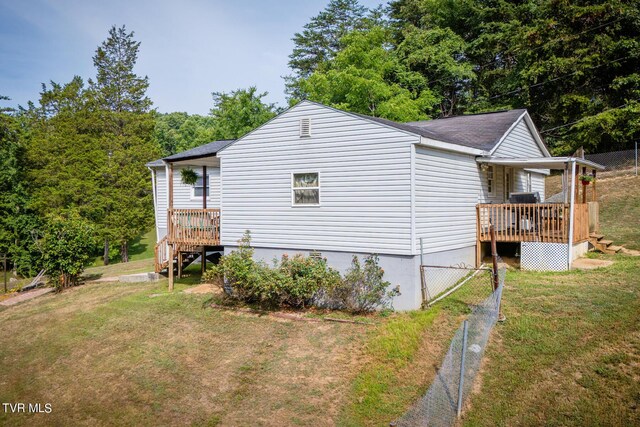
[596, 236]
[614, 249]
[605, 242]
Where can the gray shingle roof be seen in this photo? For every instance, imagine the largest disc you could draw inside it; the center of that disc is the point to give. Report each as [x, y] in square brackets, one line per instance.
[481, 131]
[202, 151]
[205, 150]
[155, 164]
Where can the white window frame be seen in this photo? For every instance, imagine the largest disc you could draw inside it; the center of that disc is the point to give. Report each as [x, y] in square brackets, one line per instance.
[529, 183]
[306, 205]
[491, 169]
[193, 187]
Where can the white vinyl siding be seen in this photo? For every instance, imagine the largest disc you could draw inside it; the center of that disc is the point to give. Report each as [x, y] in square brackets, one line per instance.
[161, 202]
[182, 194]
[519, 143]
[537, 184]
[365, 180]
[448, 187]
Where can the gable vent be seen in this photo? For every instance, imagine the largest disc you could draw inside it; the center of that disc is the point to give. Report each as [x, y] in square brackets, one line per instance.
[305, 127]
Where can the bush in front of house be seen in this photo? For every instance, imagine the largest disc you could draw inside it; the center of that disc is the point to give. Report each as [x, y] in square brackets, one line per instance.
[300, 281]
[363, 289]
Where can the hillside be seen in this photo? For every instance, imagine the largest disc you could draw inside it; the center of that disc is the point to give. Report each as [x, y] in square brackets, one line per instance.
[619, 197]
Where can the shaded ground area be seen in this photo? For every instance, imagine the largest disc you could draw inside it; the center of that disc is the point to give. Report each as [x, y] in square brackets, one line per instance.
[107, 353]
[569, 352]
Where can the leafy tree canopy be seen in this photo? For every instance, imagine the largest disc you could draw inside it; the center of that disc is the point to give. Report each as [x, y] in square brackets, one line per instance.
[367, 77]
[239, 112]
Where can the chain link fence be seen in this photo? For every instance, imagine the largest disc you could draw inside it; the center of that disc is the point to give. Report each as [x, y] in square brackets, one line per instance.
[474, 290]
[625, 160]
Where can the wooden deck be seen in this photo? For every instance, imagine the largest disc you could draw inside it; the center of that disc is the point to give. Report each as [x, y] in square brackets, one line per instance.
[532, 222]
[189, 231]
[194, 227]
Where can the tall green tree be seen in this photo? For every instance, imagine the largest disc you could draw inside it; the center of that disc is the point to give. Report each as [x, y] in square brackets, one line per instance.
[16, 219]
[321, 39]
[239, 112]
[126, 135]
[367, 77]
[176, 132]
[573, 65]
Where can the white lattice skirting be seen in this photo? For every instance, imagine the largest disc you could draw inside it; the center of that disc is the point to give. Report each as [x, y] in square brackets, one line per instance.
[544, 256]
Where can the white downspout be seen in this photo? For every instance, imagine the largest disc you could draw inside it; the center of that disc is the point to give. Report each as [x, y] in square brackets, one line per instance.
[571, 209]
[155, 200]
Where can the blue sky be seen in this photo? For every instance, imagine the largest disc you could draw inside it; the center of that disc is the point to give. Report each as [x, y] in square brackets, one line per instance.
[189, 49]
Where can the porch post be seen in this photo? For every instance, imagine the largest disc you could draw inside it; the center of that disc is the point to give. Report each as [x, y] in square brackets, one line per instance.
[565, 183]
[204, 207]
[594, 193]
[170, 225]
[571, 210]
[584, 187]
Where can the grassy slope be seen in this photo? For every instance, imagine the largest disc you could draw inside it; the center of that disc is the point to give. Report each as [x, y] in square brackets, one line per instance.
[619, 197]
[569, 352]
[140, 249]
[111, 354]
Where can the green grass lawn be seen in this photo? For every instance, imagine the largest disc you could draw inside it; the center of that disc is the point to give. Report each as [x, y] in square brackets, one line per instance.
[132, 354]
[141, 248]
[569, 352]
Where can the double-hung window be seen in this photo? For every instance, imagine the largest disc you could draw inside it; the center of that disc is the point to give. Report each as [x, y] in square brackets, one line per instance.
[305, 189]
[491, 185]
[198, 188]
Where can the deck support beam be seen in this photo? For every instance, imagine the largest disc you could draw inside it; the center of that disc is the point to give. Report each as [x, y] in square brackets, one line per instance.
[203, 261]
[170, 224]
[571, 213]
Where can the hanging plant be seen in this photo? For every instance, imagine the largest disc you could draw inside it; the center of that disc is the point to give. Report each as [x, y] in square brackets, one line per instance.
[586, 179]
[189, 176]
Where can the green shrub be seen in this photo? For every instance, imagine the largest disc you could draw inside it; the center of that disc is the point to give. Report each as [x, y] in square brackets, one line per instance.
[66, 248]
[362, 289]
[307, 275]
[299, 281]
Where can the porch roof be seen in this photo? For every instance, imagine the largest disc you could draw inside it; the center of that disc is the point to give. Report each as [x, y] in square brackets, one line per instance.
[557, 163]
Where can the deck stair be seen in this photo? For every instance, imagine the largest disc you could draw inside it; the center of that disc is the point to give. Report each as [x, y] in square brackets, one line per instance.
[601, 244]
[188, 257]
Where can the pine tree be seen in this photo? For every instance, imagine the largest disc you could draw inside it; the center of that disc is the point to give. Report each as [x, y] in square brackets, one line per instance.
[127, 136]
[321, 39]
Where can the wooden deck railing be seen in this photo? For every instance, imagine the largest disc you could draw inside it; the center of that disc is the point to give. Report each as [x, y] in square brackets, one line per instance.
[162, 255]
[532, 222]
[581, 223]
[194, 226]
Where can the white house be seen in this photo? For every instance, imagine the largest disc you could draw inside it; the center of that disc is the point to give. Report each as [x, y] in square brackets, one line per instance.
[317, 179]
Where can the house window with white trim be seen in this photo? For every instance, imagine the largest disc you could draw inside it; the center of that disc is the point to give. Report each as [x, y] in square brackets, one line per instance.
[198, 188]
[305, 189]
[491, 184]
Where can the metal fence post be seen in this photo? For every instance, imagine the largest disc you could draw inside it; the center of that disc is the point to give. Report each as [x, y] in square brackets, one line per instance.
[636, 158]
[494, 256]
[4, 271]
[462, 361]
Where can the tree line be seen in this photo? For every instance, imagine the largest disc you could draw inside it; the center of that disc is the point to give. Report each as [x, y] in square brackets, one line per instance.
[73, 180]
[573, 64]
